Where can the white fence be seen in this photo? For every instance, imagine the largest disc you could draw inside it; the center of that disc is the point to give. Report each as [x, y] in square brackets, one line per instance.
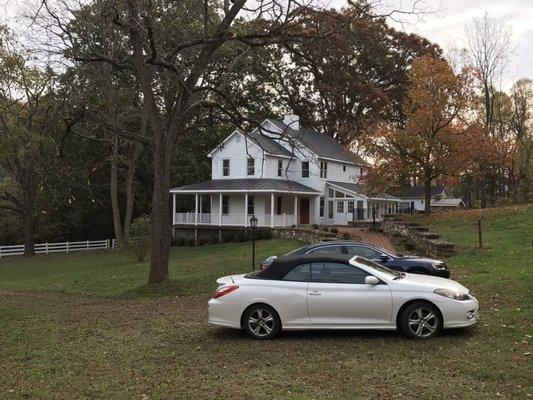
[66, 247]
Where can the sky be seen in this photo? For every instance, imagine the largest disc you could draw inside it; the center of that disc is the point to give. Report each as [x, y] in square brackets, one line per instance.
[445, 26]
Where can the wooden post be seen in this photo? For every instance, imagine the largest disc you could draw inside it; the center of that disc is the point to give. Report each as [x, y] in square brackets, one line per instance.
[272, 210]
[245, 209]
[295, 210]
[196, 209]
[479, 235]
[220, 211]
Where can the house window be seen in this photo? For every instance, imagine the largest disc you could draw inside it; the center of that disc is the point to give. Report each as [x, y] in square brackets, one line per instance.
[322, 205]
[225, 205]
[344, 168]
[339, 194]
[331, 193]
[340, 207]
[251, 208]
[280, 167]
[330, 209]
[279, 201]
[350, 206]
[305, 169]
[225, 167]
[251, 166]
[323, 169]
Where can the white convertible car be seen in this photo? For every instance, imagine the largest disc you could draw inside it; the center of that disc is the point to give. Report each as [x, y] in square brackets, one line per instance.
[338, 292]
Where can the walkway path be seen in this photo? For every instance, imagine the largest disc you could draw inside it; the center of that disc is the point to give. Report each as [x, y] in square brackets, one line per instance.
[369, 237]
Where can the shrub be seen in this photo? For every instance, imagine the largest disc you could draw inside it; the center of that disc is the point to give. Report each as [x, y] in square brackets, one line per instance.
[315, 226]
[325, 228]
[140, 236]
[334, 230]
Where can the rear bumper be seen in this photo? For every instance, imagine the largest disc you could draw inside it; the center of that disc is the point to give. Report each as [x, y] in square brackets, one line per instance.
[224, 313]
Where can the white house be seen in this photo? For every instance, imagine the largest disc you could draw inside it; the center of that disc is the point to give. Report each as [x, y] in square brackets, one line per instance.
[413, 198]
[284, 175]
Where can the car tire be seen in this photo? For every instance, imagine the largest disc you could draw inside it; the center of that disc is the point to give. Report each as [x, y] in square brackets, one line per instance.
[420, 320]
[261, 322]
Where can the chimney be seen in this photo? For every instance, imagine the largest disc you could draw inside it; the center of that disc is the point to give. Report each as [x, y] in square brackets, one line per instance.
[292, 121]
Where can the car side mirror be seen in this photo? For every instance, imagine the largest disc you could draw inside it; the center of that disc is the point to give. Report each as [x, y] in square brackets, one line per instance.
[384, 258]
[371, 280]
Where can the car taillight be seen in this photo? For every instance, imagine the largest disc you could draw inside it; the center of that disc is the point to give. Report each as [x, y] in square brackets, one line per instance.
[224, 290]
[263, 266]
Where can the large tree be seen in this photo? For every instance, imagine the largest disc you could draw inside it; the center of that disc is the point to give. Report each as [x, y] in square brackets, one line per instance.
[175, 50]
[28, 125]
[431, 142]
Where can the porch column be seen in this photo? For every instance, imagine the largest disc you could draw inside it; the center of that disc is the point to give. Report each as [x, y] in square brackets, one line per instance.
[173, 208]
[295, 210]
[272, 210]
[220, 209]
[196, 209]
[245, 208]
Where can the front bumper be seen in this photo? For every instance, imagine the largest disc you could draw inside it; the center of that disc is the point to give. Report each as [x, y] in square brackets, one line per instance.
[460, 314]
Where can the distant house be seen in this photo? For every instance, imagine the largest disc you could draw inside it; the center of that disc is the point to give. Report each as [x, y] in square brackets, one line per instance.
[284, 175]
[413, 199]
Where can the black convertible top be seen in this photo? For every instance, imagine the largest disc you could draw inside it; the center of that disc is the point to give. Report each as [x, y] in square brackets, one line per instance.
[283, 265]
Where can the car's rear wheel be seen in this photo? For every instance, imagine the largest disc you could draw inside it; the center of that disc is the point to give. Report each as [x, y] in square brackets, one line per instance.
[421, 320]
[261, 322]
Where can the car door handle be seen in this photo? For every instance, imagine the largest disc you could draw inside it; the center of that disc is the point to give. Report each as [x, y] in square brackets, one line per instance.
[315, 293]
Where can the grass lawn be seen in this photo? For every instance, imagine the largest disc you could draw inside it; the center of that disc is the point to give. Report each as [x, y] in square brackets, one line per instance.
[85, 326]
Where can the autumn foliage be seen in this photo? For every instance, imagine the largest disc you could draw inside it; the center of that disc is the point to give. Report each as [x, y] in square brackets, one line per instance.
[440, 139]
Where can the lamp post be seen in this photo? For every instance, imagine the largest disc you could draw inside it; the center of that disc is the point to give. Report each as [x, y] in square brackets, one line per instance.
[253, 224]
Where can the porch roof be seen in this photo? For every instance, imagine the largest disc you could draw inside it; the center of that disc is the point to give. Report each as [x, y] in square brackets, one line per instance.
[358, 189]
[246, 186]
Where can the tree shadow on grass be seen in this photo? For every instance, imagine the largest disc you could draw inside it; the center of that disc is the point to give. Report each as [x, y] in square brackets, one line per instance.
[159, 290]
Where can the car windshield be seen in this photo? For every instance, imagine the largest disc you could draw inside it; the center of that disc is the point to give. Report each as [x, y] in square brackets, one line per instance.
[299, 250]
[377, 267]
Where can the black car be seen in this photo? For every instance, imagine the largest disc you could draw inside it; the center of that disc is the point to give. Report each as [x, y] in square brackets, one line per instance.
[411, 264]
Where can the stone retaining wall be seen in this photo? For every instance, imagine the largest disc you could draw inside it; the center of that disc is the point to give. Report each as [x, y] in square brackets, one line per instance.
[310, 235]
[426, 242]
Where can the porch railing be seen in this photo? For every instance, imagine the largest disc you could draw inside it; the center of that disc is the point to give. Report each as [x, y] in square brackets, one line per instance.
[234, 219]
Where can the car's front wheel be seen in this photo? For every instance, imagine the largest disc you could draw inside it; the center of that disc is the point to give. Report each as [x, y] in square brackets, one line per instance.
[420, 320]
[261, 322]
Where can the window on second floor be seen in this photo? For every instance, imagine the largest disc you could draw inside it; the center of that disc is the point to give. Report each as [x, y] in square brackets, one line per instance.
[251, 166]
[344, 168]
[280, 167]
[225, 167]
[305, 169]
[323, 169]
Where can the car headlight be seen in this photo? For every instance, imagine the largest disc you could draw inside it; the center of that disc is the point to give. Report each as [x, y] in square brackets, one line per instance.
[452, 294]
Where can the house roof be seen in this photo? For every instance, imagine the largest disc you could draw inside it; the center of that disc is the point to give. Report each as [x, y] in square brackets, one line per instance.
[447, 203]
[359, 189]
[352, 187]
[269, 145]
[245, 185]
[418, 191]
[323, 145]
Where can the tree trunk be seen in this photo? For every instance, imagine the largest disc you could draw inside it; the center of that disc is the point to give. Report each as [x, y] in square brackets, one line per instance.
[29, 231]
[129, 190]
[427, 193]
[115, 206]
[161, 227]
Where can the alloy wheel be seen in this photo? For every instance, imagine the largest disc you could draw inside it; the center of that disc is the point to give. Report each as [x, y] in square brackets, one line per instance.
[261, 322]
[423, 322]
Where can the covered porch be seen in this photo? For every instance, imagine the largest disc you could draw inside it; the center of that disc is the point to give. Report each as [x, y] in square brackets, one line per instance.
[346, 204]
[274, 204]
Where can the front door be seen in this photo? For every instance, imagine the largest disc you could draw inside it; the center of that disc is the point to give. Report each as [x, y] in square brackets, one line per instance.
[304, 211]
[340, 213]
[338, 296]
